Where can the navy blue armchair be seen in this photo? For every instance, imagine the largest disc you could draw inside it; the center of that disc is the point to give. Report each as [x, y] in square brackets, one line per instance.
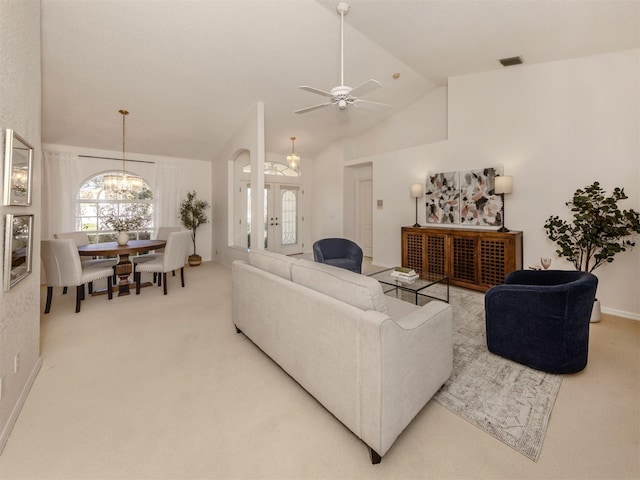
[338, 252]
[541, 319]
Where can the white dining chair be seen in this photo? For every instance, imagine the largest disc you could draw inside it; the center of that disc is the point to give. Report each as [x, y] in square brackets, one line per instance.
[62, 268]
[163, 234]
[81, 238]
[173, 258]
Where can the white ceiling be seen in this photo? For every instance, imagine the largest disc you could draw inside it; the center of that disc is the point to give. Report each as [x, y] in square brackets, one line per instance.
[190, 71]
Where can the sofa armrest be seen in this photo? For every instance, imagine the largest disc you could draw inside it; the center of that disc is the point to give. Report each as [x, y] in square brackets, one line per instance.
[407, 361]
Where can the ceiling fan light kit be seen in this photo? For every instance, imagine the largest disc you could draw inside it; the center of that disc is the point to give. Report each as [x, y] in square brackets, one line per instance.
[342, 96]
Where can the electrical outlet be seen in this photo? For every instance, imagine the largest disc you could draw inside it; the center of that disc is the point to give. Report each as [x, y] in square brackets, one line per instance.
[16, 363]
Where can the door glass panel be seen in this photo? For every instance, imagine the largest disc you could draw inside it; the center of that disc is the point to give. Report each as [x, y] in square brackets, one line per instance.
[248, 222]
[289, 217]
[266, 217]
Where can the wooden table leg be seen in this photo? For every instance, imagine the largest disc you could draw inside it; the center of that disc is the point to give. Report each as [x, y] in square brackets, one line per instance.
[123, 270]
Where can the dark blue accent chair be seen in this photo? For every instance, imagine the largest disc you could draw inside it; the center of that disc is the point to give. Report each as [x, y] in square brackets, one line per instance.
[541, 318]
[338, 252]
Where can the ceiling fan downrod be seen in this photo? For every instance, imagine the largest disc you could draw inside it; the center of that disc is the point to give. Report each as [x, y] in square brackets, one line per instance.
[343, 9]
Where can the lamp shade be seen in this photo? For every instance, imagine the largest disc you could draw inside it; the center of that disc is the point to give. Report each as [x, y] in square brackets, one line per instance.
[417, 190]
[503, 184]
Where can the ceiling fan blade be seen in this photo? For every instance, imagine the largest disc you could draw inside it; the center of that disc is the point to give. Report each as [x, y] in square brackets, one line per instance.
[313, 107]
[366, 87]
[369, 105]
[315, 90]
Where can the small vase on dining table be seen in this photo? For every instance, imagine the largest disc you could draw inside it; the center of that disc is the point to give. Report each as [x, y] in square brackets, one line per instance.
[122, 238]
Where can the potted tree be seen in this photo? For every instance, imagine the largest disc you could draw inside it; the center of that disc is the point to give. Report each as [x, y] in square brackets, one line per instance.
[598, 232]
[192, 215]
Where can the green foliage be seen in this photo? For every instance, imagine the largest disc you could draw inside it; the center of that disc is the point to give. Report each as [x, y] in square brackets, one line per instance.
[599, 229]
[124, 217]
[192, 214]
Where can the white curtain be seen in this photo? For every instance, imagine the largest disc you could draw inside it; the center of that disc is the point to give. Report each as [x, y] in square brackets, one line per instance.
[59, 191]
[165, 193]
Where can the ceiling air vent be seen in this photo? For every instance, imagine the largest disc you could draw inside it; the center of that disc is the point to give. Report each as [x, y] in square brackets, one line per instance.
[507, 62]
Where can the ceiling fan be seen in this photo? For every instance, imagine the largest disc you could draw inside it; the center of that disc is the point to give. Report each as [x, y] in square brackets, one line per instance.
[342, 95]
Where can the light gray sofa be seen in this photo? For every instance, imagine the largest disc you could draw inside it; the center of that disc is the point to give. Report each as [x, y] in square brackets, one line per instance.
[372, 360]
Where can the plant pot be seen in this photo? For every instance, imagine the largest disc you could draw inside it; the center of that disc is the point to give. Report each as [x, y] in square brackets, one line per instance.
[122, 238]
[195, 260]
[595, 313]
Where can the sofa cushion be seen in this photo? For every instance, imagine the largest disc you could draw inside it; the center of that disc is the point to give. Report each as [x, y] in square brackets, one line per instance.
[358, 290]
[275, 263]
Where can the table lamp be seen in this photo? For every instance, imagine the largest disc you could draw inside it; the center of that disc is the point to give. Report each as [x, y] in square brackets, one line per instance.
[503, 184]
[417, 191]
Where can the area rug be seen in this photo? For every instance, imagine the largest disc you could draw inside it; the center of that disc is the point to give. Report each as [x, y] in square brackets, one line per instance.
[509, 401]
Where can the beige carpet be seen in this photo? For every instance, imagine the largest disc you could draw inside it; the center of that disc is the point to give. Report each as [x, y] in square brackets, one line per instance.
[148, 386]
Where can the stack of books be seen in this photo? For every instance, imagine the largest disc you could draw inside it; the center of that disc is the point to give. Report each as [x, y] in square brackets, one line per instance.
[405, 275]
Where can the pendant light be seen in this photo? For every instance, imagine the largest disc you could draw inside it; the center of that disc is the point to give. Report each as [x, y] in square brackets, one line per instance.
[293, 160]
[122, 184]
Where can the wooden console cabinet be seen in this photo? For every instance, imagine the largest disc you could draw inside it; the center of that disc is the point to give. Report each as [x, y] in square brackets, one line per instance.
[471, 258]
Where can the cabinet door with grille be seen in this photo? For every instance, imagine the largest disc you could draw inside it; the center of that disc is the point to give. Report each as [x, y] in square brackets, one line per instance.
[492, 262]
[436, 251]
[463, 258]
[413, 245]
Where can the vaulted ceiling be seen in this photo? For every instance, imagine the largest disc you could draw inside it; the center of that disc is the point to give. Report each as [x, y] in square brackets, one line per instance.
[190, 71]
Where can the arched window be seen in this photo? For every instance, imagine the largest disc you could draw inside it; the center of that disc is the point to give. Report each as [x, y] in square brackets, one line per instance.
[275, 168]
[95, 206]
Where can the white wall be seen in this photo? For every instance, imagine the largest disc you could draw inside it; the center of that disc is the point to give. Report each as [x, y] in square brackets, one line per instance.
[421, 123]
[555, 127]
[326, 192]
[194, 175]
[20, 89]
[248, 138]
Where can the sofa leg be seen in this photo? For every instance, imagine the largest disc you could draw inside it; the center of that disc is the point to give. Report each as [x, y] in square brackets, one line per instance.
[238, 330]
[375, 457]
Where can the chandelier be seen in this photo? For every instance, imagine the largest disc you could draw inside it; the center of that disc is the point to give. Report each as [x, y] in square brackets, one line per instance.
[122, 183]
[293, 160]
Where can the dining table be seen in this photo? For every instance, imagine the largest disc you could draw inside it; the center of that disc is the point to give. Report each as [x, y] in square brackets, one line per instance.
[124, 267]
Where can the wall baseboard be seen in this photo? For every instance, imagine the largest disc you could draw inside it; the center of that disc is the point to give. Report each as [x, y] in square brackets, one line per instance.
[621, 313]
[6, 431]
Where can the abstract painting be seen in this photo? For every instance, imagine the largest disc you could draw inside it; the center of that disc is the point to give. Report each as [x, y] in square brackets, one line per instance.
[478, 203]
[464, 197]
[443, 198]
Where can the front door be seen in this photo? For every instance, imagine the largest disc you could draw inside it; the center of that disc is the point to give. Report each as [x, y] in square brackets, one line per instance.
[282, 218]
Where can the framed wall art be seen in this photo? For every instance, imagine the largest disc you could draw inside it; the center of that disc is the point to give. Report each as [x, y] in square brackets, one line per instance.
[464, 197]
[18, 164]
[479, 205]
[442, 192]
[18, 245]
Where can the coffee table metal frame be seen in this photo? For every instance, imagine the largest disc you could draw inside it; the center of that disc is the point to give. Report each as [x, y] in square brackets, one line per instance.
[416, 287]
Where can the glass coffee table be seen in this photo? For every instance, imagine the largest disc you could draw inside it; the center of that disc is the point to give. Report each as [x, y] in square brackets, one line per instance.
[417, 287]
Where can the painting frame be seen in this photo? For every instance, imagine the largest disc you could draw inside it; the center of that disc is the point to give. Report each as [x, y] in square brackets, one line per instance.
[18, 253]
[18, 170]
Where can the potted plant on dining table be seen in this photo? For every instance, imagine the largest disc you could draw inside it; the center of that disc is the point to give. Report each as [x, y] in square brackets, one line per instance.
[122, 225]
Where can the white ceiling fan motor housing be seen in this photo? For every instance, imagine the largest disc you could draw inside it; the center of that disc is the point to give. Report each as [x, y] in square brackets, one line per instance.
[342, 8]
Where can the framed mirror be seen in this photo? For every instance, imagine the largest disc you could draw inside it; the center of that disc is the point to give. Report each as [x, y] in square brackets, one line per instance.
[18, 248]
[18, 160]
